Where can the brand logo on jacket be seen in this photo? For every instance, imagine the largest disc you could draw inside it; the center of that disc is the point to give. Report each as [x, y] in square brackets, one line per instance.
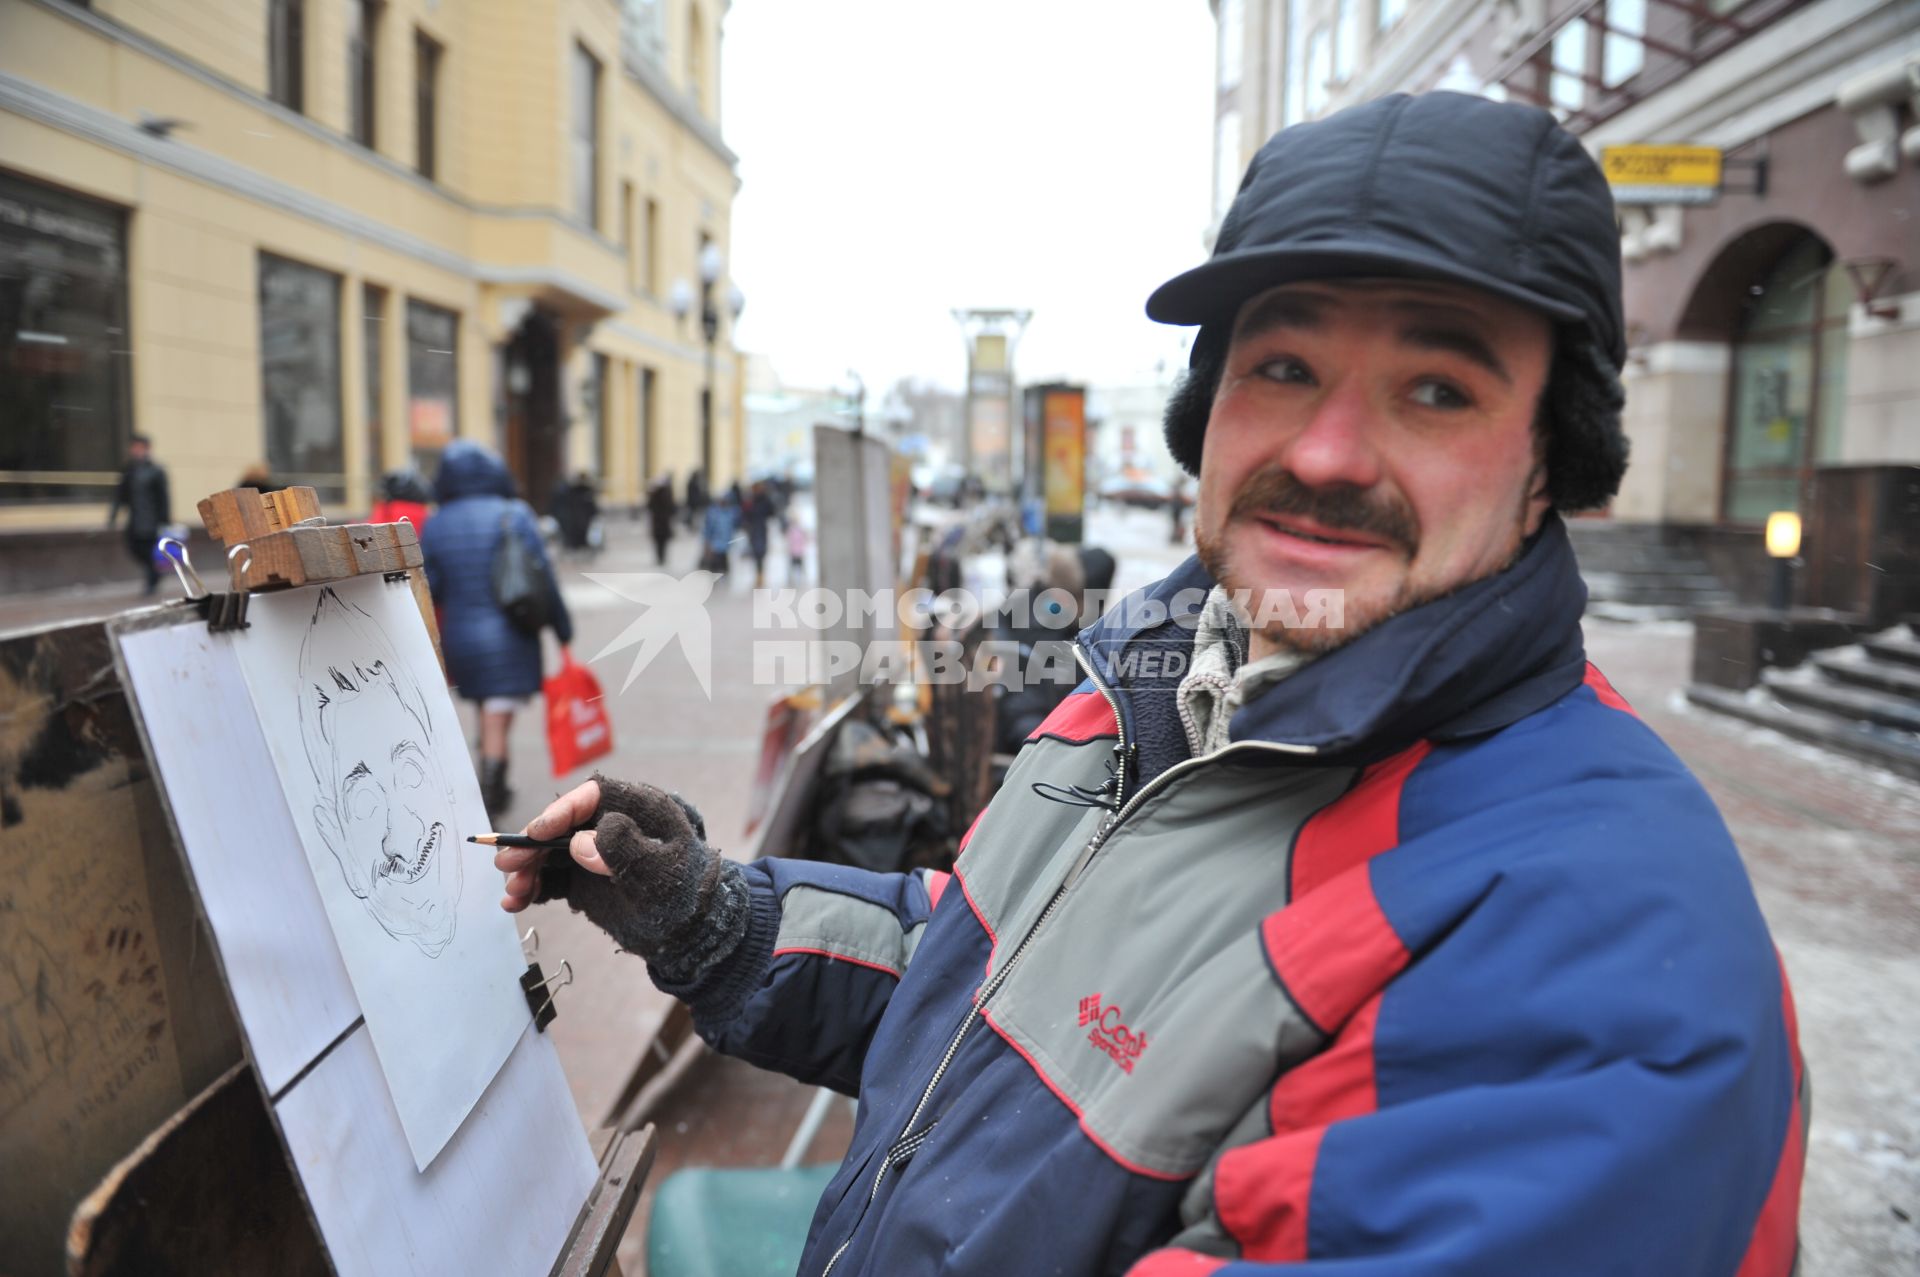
[1108, 1032]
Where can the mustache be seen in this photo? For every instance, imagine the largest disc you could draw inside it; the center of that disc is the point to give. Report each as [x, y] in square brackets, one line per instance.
[1341, 507]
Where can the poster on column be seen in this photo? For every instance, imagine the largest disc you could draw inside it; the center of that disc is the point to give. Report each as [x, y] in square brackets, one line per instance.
[368, 749]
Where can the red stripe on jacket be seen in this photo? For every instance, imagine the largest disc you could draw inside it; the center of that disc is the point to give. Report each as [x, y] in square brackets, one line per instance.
[1080, 717]
[1175, 1263]
[936, 884]
[1333, 949]
[1260, 1194]
[1604, 690]
[1770, 1251]
[1358, 826]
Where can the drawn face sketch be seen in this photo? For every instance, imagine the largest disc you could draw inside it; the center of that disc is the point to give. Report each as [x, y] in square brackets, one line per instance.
[382, 803]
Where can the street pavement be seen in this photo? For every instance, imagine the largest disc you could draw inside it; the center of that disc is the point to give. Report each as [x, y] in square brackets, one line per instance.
[1833, 847]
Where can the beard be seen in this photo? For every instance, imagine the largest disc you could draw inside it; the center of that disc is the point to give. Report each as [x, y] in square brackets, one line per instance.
[1337, 507]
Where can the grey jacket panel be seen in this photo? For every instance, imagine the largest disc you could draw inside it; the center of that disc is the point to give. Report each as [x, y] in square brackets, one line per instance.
[1146, 1000]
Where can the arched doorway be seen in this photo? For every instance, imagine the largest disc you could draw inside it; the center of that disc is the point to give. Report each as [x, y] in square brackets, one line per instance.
[1787, 391]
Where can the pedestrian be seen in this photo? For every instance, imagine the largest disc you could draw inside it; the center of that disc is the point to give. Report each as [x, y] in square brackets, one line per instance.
[717, 527]
[142, 493]
[798, 541]
[696, 509]
[1376, 934]
[660, 512]
[490, 661]
[403, 495]
[259, 477]
[574, 506]
[756, 516]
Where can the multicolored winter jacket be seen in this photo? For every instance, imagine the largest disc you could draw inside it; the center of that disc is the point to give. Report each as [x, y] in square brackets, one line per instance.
[1445, 965]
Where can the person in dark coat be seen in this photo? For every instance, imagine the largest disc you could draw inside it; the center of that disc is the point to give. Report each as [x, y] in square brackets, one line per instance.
[143, 494]
[575, 507]
[756, 514]
[660, 512]
[490, 661]
[697, 498]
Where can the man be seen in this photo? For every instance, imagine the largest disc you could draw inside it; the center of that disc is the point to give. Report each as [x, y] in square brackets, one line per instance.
[660, 512]
[381, 804]
[1397, 946]
[142, 493]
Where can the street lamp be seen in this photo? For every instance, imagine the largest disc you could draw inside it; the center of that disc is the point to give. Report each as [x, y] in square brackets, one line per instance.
[1783, 543]
[710, 267]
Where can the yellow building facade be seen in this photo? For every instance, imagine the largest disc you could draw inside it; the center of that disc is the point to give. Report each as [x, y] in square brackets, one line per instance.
[331, 235]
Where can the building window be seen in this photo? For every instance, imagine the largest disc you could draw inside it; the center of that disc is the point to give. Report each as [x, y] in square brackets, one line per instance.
[1227, 165]
[595, 412]
[433, 381]
[1623, 52]
[1295, 108]
[696, 57]
[363, 42]
[300, 373]
[1319, 71]
[286, 52]
[426, 105]
[586, 136]
[1789, 382]
[1567, 85]
[1391, 11]
[650, 247]
[63, 344]
[1233, 30]
[643, 30]
[373, 332]
[627, 229]
[643, 404]
[1346, 40]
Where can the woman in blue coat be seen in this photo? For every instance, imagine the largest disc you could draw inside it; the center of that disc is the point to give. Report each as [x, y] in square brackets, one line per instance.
[490, 661]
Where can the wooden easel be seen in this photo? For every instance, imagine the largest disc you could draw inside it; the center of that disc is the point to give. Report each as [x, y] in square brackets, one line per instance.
[212, 1189]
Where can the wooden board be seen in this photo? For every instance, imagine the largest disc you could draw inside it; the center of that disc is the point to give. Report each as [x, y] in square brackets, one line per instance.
[207, 1193]
[111, 1011]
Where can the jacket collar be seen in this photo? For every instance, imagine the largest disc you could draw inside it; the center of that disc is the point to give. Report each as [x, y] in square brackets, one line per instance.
[1464, 665]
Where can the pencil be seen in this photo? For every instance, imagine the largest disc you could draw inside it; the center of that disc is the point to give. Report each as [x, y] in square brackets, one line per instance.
[521, 840]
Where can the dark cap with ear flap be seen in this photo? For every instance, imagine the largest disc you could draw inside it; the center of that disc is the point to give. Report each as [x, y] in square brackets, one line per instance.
[1441, 186]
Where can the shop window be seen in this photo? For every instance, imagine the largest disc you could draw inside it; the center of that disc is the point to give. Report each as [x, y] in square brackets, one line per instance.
[1346, 40]
[300, 374]
[1233, 21]
[1319, 71]
[63, 344]
[1789, 382]
[433, 382]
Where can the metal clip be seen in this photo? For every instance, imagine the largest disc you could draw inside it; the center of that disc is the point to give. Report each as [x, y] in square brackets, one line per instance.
[182, 567]
[539, 988]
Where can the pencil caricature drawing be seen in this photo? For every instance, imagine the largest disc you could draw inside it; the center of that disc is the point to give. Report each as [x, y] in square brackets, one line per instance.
[382, 805]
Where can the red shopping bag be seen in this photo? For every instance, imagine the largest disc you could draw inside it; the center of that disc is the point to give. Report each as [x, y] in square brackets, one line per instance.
[578, 729]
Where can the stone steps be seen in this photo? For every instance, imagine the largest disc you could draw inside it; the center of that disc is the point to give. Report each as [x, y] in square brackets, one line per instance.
[1894, 750]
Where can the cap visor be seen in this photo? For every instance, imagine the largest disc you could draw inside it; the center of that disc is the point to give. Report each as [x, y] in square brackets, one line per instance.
[1217, 289]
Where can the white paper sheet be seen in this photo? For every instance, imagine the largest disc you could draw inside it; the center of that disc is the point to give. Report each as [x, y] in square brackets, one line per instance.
[382, 792]
[503, 1193]
[277, 950]
[499, 1200]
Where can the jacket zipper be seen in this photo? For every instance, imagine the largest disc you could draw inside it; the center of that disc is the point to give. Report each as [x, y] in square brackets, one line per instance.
[909, 1141]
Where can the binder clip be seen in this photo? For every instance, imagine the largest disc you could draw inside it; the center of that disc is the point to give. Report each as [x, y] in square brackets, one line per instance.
[539, 988]
[222, 611]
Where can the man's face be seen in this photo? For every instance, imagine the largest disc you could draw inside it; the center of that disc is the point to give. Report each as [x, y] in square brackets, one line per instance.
[137, 450]
[1371, 437]
[392, 828]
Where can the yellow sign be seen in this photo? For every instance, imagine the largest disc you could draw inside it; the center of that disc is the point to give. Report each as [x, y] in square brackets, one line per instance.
[1645, 174]
[1066, 444]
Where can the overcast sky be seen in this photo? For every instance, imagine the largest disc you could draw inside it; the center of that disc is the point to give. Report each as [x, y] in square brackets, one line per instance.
[900, 158]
